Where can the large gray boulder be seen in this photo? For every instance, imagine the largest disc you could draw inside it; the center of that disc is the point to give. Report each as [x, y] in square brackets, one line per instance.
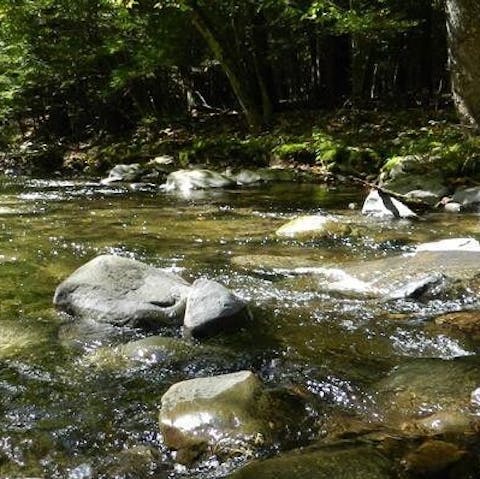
[122, 291]
[186, 180]
[211, 308]
[230, 412]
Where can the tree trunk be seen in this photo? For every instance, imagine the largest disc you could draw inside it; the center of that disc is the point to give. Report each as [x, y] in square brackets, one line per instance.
[463, 26]
[256, 108]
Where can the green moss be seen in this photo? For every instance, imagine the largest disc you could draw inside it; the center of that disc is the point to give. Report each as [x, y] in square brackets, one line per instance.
[301, 152]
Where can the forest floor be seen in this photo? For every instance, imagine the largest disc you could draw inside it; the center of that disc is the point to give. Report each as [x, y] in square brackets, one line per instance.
[353, 142]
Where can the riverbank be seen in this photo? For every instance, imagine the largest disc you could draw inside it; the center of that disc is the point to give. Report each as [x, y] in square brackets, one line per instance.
[352, 142]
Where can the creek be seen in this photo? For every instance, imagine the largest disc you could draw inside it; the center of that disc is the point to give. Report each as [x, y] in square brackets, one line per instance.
[62, 416]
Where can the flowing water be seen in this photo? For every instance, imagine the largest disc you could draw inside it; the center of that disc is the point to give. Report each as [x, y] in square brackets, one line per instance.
[62, 416]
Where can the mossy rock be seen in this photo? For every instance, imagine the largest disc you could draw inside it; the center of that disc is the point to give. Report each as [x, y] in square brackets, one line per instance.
[155, 350]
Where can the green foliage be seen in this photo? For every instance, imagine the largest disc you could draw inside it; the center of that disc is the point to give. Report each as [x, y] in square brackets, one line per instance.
[226, 150]
[370, 18]
[441, 145]
[302, 152]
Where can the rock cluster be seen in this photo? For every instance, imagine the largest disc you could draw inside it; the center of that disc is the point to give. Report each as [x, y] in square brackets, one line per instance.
[121, 291]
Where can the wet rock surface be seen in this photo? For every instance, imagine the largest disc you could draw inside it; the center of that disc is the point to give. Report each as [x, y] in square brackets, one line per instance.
[229, 412]
[164, 351]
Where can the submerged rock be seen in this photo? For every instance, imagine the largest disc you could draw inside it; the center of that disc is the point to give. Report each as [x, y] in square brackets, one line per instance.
[433, 456]
[466, 321]
[18, 340]
[151, 350]
[231, 412]
[211, 308]
[313, 225]
[381, 205]
[167, 352]
[123, 291]
[272, 263]
[329, 463]
[186, 180]
[430, 397]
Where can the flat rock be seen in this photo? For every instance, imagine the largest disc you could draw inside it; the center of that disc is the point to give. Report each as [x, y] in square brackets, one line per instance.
[433, 456]
[424, 195]
[412, 275]
[211, 308]
[122, 291]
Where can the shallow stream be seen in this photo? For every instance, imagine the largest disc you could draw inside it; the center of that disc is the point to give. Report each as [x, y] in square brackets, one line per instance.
[64, 417]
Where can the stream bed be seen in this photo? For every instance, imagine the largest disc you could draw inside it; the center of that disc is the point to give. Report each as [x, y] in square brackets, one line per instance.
[371, 370]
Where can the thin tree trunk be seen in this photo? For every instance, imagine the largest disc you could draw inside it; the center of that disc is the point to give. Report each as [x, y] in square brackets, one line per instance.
[251, 107]
[463, 26]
